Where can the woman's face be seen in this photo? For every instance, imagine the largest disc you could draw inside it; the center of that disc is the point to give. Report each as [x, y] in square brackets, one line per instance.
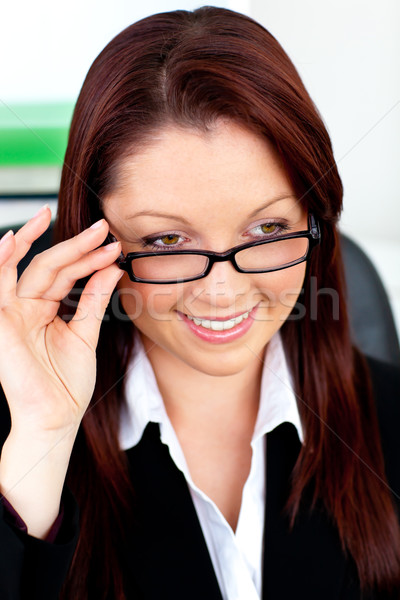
[194, 190]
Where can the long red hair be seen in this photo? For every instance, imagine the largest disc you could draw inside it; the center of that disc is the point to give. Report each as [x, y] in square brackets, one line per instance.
[190, 69]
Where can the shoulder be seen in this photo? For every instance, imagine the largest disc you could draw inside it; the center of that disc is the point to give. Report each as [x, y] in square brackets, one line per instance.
[386, 389]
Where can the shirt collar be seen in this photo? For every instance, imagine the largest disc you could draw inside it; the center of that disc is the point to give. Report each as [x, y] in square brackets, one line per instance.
[144, 403]
[277, 397]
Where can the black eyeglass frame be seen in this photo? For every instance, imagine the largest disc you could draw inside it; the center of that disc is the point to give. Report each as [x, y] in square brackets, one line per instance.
[313, 234]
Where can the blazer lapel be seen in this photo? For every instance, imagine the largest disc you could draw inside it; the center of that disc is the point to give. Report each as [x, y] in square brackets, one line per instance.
[167, 554]
[307, 562]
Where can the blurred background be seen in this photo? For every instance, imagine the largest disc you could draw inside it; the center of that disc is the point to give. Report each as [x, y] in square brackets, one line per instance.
[347, 52]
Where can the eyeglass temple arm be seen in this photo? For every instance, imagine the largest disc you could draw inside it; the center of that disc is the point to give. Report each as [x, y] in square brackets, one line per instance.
[314, 228]
[110, 239]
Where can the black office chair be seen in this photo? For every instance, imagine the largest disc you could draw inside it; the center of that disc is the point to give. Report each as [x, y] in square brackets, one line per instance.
[371, 318]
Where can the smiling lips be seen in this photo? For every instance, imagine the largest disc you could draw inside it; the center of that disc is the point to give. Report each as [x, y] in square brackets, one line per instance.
[218, 331]
[219, 325]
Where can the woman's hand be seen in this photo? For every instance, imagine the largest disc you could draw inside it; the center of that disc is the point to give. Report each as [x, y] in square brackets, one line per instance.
[48, 366]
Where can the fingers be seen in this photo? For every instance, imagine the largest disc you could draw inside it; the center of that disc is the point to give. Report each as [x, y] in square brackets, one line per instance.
[8, 276]
[13, 251]
[7, 245]
[65, 279]
[93, 303]
[44, 269]
[30, 232]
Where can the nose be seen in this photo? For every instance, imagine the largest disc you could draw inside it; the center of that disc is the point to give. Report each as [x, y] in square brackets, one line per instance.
[224, 287]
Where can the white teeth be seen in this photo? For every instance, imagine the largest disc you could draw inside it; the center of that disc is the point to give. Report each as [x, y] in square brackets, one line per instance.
[219, 325]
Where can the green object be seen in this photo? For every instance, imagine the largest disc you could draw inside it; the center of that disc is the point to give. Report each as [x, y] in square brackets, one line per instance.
[34, 134]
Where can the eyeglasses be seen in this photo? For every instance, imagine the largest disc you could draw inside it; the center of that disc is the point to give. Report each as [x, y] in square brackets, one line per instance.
[179, 266]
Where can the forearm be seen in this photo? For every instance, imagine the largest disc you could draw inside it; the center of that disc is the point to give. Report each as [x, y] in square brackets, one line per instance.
[32, 475]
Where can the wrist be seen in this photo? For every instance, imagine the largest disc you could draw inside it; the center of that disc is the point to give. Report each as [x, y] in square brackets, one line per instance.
[42, 439]
[23, 451]
[32, 475]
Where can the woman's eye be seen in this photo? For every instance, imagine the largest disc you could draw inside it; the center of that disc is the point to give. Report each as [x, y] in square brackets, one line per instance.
[270, 228]
[169, 240]
[163, 241]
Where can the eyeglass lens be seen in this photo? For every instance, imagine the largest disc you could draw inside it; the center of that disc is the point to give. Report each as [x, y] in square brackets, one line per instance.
[171, 267]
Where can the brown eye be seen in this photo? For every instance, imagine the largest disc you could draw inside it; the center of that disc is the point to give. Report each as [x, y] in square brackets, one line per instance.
[169, 240]
[268, 227]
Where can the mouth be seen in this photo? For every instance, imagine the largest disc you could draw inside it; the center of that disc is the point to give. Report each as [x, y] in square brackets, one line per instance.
[220, 330]
[220, 324]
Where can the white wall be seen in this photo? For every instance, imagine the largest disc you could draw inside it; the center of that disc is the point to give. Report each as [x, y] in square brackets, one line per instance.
[348, 54]
[47, 46]
[347, 51]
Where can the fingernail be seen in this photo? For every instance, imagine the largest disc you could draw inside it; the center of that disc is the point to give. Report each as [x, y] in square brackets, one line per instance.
[97, 225]
[7, 236]
[41, 210]
[111, 247]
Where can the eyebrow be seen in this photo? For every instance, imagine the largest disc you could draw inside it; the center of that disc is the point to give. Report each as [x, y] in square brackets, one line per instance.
[154, 213]
[270, 203]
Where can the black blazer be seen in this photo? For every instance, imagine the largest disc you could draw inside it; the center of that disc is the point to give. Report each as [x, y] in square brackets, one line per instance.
[167, 558]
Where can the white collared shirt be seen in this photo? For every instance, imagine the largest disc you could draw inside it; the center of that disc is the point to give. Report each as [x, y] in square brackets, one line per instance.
[236, 557]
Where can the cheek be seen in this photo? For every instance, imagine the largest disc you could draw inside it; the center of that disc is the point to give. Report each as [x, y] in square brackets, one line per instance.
[281, 288]
[142, 301]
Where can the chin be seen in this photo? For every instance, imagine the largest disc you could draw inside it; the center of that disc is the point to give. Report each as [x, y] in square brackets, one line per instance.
[225, 365]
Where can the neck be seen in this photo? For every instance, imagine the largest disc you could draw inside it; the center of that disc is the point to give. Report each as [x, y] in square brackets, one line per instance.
[200, 401]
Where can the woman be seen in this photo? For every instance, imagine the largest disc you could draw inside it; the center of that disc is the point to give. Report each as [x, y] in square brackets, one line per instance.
[231, 446]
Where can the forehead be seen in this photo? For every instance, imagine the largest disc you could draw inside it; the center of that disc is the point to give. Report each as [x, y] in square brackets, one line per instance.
[189, 171]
